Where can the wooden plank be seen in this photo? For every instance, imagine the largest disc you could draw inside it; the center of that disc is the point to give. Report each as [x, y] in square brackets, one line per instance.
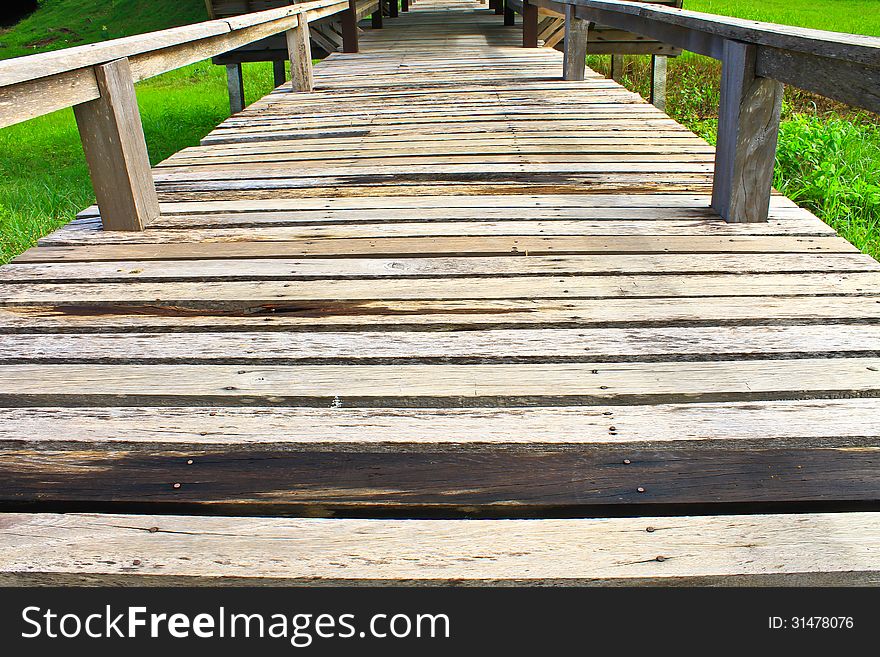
[607, 312]
[464, 287]
[438, 385]
[78, 549]
[288, 269]
[526, 480]
[486, 346]
[437, 247]
[116, 151]
[739, 425]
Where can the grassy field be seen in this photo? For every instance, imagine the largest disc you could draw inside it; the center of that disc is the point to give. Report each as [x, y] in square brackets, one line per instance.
[828, 157]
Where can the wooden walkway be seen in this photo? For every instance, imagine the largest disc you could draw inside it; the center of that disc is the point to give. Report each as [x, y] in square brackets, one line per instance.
[446, 319]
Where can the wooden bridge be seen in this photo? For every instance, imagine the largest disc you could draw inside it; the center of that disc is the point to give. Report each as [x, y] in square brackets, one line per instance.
[445, 318]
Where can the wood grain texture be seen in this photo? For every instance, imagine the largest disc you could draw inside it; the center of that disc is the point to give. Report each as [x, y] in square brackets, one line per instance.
[116, 151]
[811, 549]
[444, 283]
[748, 128]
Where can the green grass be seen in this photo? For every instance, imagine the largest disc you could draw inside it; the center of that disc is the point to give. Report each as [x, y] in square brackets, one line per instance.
[64, 23]
[828, 158]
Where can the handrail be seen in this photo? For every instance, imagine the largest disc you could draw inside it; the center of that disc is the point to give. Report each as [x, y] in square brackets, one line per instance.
[757, 58]
[842, 45]
[34, 85]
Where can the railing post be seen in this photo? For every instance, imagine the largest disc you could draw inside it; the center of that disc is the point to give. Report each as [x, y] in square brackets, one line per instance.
[509, 14]
[499, 7]
[575, 54]
[279, 75]
[376, 16]
[404, 5]
[299, 49]
[113, 140]
[748, 127]
[350, 28]
[235, 87]
[392, 9]
[530, 25]
[617, 66]
[658, 81]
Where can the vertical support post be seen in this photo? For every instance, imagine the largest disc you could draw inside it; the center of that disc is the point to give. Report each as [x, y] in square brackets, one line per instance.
[350, 28]
[279, 74]
[235, 87]
[299, 49]
[376, 16]
[617, 65]
[748, 127]
[509, 14]
[530, 25]
[575, 55]
[658, 81]
[499, 7]
[404, 5]
[113, 140]
[392, 9]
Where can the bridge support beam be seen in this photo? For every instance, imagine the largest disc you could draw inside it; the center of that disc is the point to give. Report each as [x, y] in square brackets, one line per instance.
[113, 140]
[509, 14]
[235, 87]
[575, 54]
[530, 25]
[658, 81]
[350, 28]
[376, 17]
[279, 74]
[748, 128]
[617, 66]
[299, 49]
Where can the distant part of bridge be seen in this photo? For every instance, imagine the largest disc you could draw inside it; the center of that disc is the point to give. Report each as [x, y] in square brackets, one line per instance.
[431, 313]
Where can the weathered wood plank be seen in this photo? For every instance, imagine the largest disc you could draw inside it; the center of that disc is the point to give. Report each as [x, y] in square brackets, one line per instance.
[439, 385]
[512, 245]
[325, 268]
[258, 316]
[817, 549]
[743, 425]
[498, 345]
[523, 287]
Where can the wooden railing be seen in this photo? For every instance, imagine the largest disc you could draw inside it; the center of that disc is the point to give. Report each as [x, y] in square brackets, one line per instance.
[97, 80]
[757, 58]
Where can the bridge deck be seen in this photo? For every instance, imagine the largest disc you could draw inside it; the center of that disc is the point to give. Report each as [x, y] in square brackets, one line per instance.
[446, 285]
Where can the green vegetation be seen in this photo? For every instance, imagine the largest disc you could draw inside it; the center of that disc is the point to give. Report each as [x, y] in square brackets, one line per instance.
[828, 158]
[65, 23]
